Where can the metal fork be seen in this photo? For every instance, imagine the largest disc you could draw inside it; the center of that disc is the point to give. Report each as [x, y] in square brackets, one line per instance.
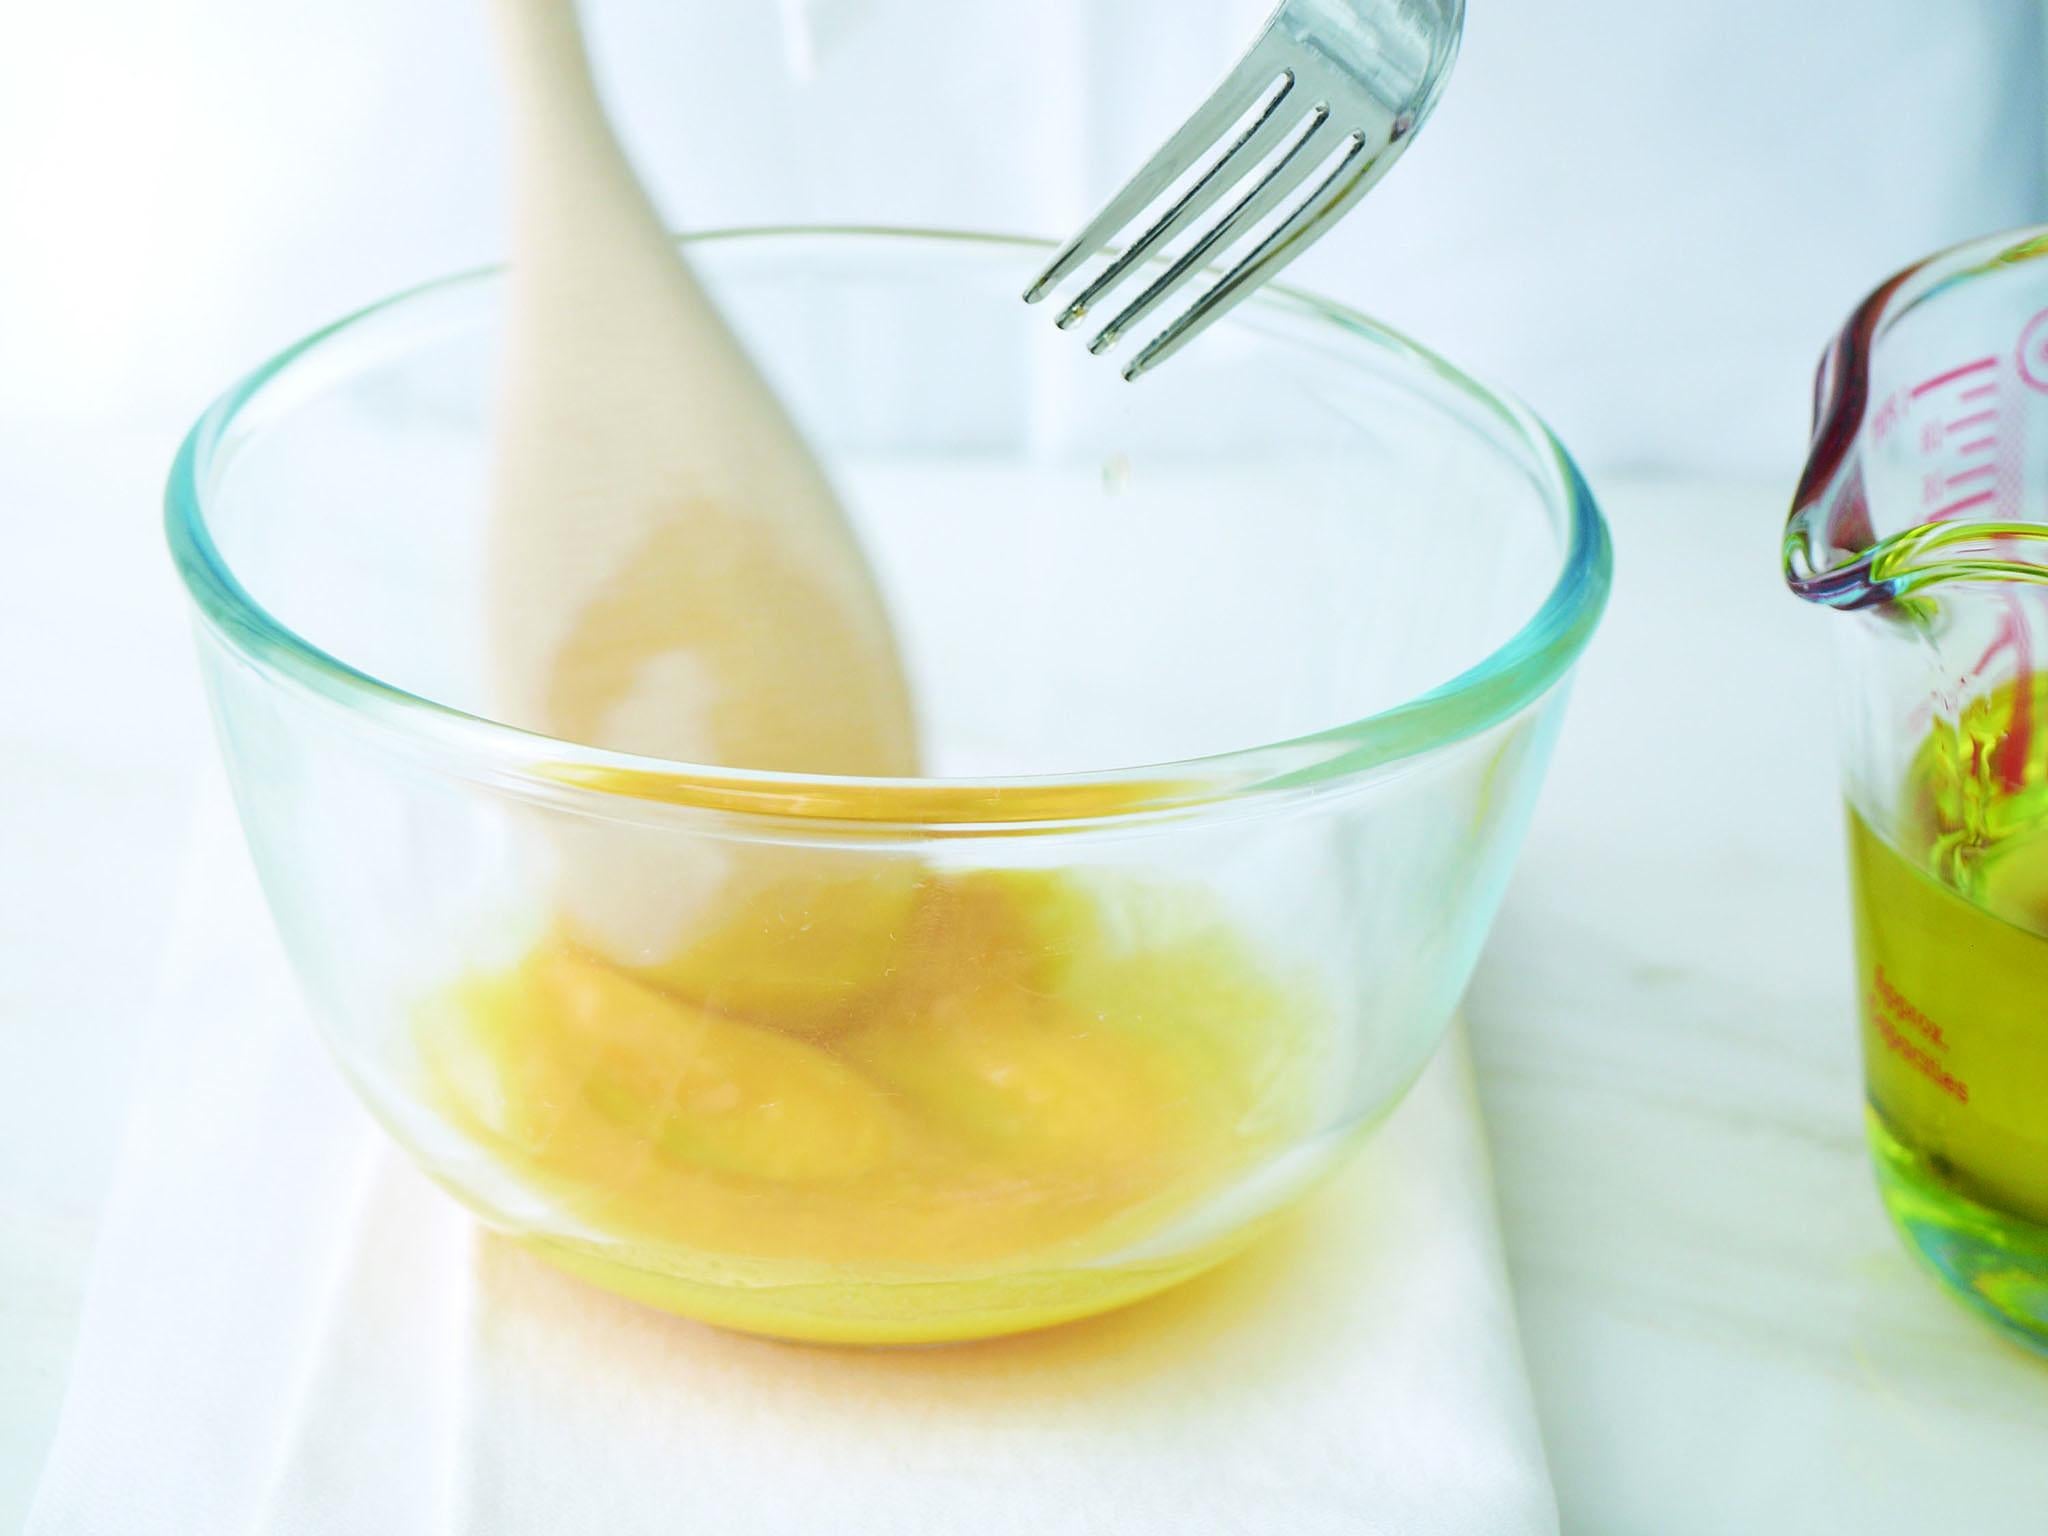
[1335, 89]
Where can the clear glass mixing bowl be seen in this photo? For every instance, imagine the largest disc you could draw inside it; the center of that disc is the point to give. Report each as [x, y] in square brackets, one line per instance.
[1235, 689]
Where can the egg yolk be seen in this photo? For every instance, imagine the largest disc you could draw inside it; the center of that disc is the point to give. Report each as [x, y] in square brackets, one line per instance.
[1026, 1076]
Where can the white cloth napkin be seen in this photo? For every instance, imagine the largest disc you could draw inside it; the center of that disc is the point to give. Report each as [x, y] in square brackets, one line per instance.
[289, 1330]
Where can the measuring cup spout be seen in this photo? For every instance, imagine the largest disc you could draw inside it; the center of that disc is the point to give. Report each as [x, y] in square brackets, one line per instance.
[1830, 538]
[1918, 469]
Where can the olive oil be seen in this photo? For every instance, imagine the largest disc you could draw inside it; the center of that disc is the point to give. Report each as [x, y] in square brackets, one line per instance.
[1952, 955]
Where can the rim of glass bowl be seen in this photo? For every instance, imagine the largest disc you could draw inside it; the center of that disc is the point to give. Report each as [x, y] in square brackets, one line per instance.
[1501, 685]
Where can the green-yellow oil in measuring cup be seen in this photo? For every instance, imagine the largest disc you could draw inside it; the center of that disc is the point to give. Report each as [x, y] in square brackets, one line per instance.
[1952, 950]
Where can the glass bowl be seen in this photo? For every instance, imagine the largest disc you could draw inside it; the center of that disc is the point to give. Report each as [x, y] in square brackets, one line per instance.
[1235, 687]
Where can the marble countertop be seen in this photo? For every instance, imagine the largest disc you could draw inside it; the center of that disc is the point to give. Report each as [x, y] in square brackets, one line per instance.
[1722, 1332]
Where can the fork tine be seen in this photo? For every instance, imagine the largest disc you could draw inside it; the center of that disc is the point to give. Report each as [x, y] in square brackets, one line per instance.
[1259, 139]
[1254, 75]
[1294, 168]
[1348, 181]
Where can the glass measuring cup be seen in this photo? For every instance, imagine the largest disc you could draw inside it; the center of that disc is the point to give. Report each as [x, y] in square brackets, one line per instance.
[1923, 516]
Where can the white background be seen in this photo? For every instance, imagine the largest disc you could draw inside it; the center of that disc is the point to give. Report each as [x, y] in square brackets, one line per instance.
[1644, 216]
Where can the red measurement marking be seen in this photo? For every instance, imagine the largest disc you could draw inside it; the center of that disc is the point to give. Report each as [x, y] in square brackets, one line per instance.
[1915, 1055]
[2008, 757]
[1972, 474]
[2033, 352]
[1981, 392]
[1955, 508]
[1977, 419]
[1979, 445]
[1901, 1009]
[1952, 375]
